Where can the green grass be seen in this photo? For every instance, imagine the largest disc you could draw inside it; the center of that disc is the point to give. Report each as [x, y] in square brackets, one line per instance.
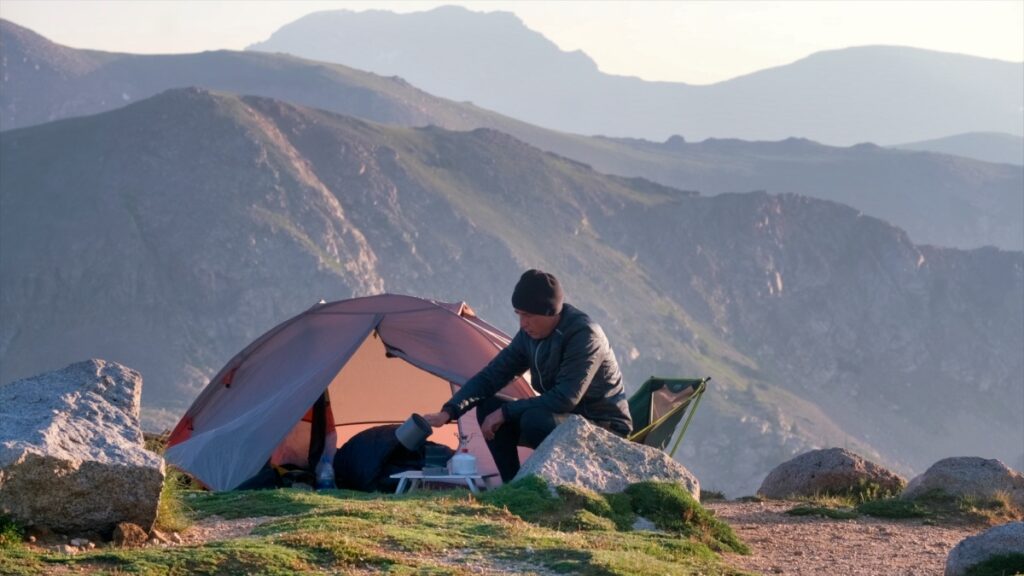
[10, 532]
[894, 508]
[246, 504]
[171, 514]
[671, 508]
[572, 531]
[17, 560]
[934, 508]
[823, 511]
[970, 509]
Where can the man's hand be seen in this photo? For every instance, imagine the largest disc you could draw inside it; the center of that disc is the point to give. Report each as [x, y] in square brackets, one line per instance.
[437, 419]
[491, 424]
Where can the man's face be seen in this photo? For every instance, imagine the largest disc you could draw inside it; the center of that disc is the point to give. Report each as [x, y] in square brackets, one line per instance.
[536, 326]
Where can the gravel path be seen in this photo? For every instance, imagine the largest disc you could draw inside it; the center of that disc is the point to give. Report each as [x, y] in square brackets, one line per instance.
[215, 528]
[805, 546]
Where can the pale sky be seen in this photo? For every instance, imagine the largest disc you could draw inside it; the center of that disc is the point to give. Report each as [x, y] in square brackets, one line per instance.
[690, 41]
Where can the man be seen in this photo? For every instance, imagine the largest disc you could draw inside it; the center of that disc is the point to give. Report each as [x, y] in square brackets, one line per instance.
[572, 367]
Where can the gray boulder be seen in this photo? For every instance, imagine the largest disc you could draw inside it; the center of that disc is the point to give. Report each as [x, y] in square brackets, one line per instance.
[580, 454]
[1005, 539]
[828, 471]
[968, 476]
[71, 450]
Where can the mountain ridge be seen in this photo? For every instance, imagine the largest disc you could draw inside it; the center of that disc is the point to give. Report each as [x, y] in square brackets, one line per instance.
[994, 147]
[938, 199]
[875, 94]
[212, 217]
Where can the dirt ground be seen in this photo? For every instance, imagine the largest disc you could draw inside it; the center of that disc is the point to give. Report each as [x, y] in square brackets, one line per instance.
[805, 546]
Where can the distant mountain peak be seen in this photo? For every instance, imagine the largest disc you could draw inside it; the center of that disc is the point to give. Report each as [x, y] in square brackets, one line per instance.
[874, 93]
[996, 147]
[886, 51]
[25, 48]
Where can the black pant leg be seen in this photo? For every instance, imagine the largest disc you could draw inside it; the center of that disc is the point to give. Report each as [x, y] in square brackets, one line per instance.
[504, 445]
[535, 424]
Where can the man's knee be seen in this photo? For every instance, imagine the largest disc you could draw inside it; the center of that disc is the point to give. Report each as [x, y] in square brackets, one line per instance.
[535, 424]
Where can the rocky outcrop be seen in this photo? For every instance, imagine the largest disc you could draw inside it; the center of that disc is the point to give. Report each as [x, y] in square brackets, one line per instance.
[580, 454]
[828, 471]
[71, 450]
[998, 541]
[968, 476]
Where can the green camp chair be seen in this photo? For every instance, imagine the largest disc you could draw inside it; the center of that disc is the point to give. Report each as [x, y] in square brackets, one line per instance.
[659, 405]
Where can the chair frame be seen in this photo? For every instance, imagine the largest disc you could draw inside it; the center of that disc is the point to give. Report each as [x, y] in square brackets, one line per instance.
[693, 400]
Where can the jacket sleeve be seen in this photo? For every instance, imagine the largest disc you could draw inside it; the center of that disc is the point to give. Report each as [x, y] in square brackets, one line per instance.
[581, 358]
[512, 361]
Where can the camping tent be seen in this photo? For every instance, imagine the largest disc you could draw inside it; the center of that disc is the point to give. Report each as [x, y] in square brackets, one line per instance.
[379, 358]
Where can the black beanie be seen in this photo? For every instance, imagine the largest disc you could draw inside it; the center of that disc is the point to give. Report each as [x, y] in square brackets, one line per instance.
[538, 293]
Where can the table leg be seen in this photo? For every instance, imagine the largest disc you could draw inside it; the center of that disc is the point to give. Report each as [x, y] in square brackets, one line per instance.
[401, 485]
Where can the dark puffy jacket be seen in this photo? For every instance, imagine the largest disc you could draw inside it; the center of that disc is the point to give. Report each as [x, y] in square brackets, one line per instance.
[574, 370]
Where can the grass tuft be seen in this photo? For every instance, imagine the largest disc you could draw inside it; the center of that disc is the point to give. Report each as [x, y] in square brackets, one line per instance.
[711, 496]
[823, 511]
[11, 533]
[894, 508]
[934, 507]
[671, 508]
[172, 514]
[529, 498]
[866, 491]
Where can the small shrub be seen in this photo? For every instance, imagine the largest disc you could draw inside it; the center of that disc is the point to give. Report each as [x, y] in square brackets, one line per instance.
[711, 496]
[672, 509]
[866, 491]
[10, 532]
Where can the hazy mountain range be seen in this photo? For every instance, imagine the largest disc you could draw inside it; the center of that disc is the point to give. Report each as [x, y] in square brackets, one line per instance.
[988, 146]
[879, 94]
[167, 229]
[938, 199]
[169, 233]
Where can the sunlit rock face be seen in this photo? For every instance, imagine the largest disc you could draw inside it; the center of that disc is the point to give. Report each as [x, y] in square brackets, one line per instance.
[71, 450]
